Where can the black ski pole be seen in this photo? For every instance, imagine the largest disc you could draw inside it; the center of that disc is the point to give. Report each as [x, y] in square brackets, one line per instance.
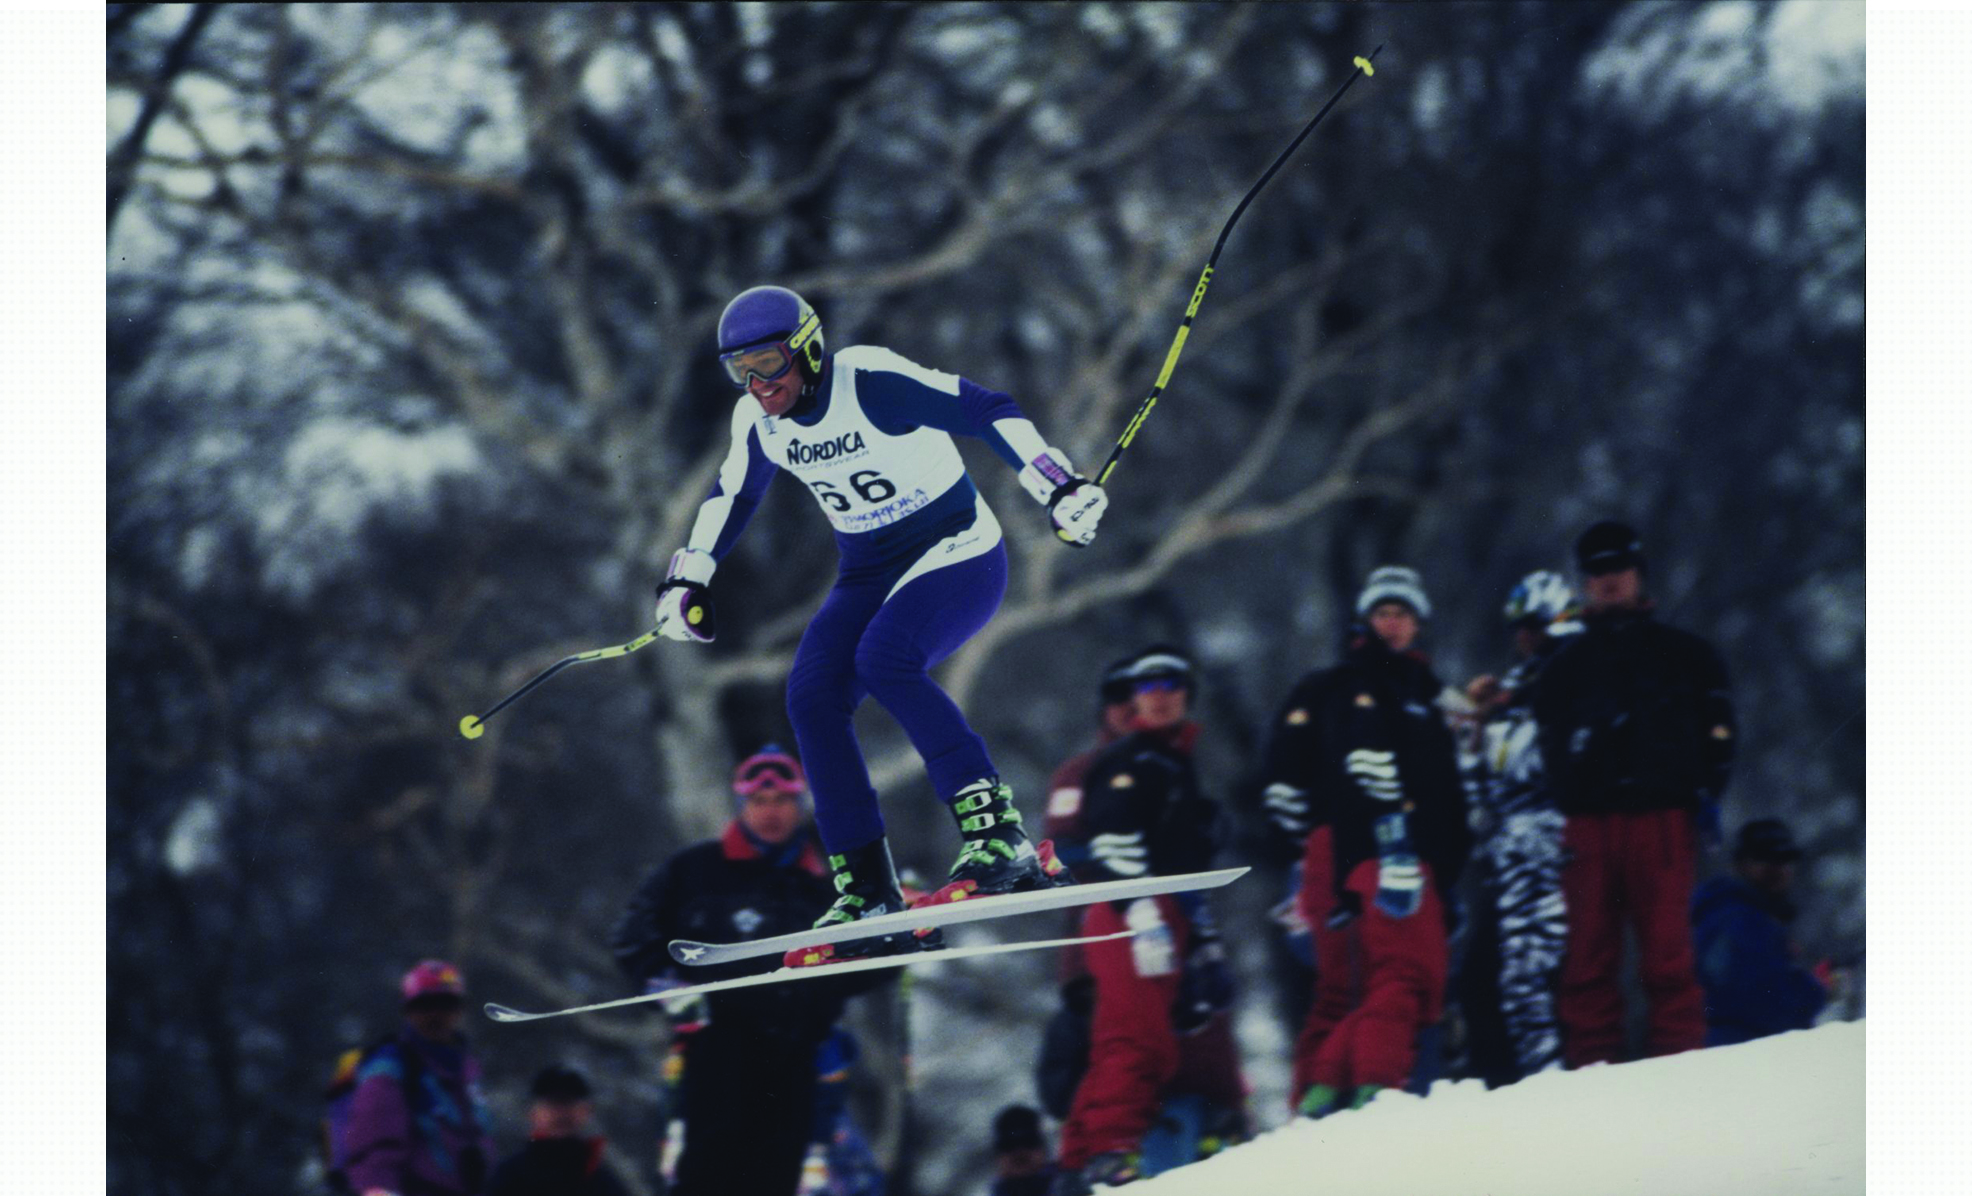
[472, 726]
[1363, 67]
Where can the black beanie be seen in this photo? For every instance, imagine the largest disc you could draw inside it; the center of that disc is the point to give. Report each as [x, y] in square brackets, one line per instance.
[1608, 546]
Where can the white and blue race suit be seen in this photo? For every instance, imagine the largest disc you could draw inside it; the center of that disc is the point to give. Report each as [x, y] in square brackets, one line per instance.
[922, 563]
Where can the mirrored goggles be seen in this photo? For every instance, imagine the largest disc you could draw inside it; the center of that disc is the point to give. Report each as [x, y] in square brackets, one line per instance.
[765, 362]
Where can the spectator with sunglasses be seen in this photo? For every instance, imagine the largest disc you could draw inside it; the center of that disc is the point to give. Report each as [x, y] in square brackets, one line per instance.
[749, 1076]
[1636, 732]
[923, 568]
[1163, 1083]
[418, 1125]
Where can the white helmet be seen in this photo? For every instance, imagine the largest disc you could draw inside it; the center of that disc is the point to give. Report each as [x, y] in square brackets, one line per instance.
[1542, 595]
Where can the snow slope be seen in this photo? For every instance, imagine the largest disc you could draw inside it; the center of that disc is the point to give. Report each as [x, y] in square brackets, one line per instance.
[1782, 1115]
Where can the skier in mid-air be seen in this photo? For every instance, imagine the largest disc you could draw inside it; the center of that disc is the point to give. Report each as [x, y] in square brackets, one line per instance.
[922, 569]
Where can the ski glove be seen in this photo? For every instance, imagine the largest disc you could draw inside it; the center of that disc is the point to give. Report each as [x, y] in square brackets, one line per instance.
[1075, 510]
[1287, 807]
[1399, 885]
[1075, 504]
[1399, 875]
[1206, 985]
[684, 607]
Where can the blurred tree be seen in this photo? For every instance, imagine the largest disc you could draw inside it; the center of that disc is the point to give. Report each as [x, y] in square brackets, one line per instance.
[411, 314]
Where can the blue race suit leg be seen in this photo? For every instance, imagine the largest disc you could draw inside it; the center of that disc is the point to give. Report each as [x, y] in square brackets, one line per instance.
[868, 640]
[922, 623]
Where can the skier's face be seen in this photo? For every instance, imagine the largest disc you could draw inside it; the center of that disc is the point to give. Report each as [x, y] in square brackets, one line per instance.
[778, 396]
[773, 815]
[1395, 624]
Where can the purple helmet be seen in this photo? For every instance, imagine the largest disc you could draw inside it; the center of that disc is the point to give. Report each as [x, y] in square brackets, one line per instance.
[769, 318]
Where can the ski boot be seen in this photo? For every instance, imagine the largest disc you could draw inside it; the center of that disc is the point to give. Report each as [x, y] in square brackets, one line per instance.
[1110, 1169]
[866, 886]
[1319, 1101]
[998, 857]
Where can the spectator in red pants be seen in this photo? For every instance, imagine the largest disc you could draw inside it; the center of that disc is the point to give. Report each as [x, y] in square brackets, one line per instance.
[1636, 730]
[1362, 763]
[1160, 1024]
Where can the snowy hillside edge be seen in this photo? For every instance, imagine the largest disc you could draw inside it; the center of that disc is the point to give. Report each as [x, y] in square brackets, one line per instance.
[1780, 1115]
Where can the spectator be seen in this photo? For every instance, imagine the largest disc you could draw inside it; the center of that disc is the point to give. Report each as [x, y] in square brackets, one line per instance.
[1636, 734]
[561, 1158]
[747, 1089]
[840, 1161]
[1514, 955]
[1361, 765]
[1159, 1031]
[1020, 1154]
[417, 1123]
[1115, 718]
[1747, 964]
[1065, 1044]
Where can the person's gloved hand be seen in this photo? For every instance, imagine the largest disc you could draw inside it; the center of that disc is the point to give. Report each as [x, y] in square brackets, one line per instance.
[1075, 504]
[684, 607]
[1075, 510]
[1206, 985]
[1399, 885]
[1399, 875]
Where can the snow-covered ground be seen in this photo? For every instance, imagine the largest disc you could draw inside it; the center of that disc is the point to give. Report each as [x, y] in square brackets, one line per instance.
[1783, 1115]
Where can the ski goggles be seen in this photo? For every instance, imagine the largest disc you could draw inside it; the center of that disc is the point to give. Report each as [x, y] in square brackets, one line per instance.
[770, 361]
[765, 362]
[769, 774]
[1160, 685]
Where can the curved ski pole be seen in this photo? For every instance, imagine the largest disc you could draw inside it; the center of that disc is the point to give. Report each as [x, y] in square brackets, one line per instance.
[1363, 67]
[472, 726]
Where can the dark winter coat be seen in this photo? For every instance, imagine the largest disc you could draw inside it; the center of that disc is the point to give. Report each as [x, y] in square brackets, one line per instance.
[418, 1125]
[1143, 811]
[1746, 965]
[727, 890]
[556, 1167]
[1634, 716]
[1383, 701]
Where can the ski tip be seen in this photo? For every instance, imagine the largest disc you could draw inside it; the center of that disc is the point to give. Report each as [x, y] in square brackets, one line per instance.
[500, 1013]
[686, 951]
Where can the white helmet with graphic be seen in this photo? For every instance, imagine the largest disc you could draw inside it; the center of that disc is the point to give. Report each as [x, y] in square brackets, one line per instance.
[1544, 596]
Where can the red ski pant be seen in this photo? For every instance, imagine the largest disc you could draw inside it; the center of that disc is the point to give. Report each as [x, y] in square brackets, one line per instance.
[1134, 1050]
[1335, 967]
[1636, 870]
[1392, 972]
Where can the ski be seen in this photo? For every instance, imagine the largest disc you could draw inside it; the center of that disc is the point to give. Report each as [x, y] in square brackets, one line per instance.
[502, 1013]
[952, 913]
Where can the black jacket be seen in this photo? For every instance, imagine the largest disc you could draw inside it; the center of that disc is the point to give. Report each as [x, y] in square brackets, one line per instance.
[1634, 716]
[1143, 810]
[556, 1167]
[1375, 701]
[725, 890]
